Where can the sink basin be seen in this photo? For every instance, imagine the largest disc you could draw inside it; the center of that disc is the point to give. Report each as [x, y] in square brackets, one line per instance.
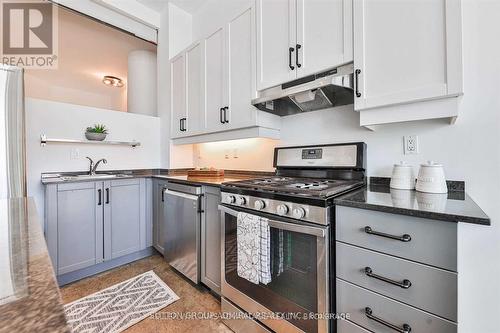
[97, 176]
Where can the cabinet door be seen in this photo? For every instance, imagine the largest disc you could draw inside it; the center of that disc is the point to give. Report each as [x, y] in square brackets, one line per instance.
[240, 71]
[178, 94]
[124, 220]
[406, 51]
[276, 35]
[214, 80]
[195, 107]
[79, 226]
[211, 240]
[324, 35]
[158, 216]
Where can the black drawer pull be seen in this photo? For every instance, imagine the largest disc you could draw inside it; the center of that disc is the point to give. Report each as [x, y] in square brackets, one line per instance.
[405, 284]
[403, 238]
[356, 78]
[297, 55]
[405, 329]
[290, 51]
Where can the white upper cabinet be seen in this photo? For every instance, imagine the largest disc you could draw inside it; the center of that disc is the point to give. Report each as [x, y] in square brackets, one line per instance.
[178, 94]
[324, 35]
[214, 82]
[276, 35]
[406, 51]
[296, 38]
[220, 89]
[195, 94]
[240, 78]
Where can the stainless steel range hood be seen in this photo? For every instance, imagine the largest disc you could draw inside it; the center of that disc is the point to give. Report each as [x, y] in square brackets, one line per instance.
[319, 91]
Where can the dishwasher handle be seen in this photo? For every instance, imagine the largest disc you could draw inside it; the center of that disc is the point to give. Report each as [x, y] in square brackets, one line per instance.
[197, 198]
[181, 194]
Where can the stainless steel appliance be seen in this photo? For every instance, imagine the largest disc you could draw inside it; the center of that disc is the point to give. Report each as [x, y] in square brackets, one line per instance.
[298, 201]
[182, 228]
[12, 138]
[333, 87]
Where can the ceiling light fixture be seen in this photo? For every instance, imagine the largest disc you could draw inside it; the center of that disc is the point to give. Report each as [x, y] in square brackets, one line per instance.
[112, 81]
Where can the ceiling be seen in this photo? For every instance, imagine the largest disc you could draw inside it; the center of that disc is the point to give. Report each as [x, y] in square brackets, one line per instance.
[190, 6]
[87, 51]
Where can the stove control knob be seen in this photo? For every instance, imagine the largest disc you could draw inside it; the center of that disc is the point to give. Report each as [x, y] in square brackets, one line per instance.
[230, 199]
[298, 212]
[241, 201]
[259, 204]
[282, 209]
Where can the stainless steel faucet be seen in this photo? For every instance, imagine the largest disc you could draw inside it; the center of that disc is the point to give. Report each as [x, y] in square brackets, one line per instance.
[93, 166]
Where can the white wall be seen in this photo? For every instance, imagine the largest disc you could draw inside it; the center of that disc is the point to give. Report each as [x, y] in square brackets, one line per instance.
[243, 154]
[163, 95]
[210, 16]
[61, 120]
[469, 149]
[179, 29]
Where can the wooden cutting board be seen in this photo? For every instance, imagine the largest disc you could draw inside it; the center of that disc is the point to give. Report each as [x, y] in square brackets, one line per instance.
[205, 173]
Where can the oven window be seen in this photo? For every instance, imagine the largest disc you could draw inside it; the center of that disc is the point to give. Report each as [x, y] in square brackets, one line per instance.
[293, 286]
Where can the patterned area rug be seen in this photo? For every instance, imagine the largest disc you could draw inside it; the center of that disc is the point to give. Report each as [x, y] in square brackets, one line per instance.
[120, 306]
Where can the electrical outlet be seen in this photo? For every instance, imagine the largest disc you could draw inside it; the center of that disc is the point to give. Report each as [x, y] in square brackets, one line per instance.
[410, 144]
[74, 153]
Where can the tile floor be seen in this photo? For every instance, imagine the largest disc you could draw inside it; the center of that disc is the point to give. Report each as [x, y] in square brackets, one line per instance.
[192, 298]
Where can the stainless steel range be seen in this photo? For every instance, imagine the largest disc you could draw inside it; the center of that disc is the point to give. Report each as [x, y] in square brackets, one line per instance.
[298, 204]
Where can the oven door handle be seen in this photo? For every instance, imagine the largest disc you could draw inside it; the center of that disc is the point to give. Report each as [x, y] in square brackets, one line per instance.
[294, 227]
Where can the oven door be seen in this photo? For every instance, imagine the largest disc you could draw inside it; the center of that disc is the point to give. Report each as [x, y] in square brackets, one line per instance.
[298, 290]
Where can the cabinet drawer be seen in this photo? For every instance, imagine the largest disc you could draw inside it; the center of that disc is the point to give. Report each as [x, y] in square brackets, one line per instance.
[432, 242]
[358, 302]
[430, 289]
[345, 326]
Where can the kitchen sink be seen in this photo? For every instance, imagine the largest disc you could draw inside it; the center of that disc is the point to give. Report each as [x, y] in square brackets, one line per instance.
[96, 176]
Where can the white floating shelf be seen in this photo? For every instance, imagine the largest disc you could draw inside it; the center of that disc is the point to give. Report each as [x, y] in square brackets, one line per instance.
[44, 140]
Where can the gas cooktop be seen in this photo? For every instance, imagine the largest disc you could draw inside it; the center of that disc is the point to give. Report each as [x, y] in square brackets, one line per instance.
[296, 186]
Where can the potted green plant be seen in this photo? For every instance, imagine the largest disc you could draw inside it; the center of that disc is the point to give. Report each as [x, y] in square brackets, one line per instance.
[96, 133]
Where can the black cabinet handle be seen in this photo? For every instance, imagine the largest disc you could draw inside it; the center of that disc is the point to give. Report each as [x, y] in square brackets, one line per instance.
[200, 203]
[183, 124]
[405, 284]
[99, 194]
[356, 79]
[107, 196]
[163, 195]
[225, 114]
[405, 329]
[297, 56]
[290, 51]
[404, 238]
[180, 124]
[221, 115]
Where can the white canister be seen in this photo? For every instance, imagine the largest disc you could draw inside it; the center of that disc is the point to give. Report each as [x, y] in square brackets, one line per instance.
[431, 178]
[403, 177]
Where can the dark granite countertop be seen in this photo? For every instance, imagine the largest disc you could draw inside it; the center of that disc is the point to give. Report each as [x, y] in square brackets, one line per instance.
[210, 181]
[29, 297]
[177, 175]
[456, 206]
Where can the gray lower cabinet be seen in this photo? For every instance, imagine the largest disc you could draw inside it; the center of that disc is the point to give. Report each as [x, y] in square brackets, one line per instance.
[211, 239]
[89, 223]
[395, 273]
[124, 217]
[159, 215]
[75, 226]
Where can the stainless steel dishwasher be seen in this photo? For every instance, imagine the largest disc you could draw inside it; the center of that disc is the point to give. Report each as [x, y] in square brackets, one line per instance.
[182, 228]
